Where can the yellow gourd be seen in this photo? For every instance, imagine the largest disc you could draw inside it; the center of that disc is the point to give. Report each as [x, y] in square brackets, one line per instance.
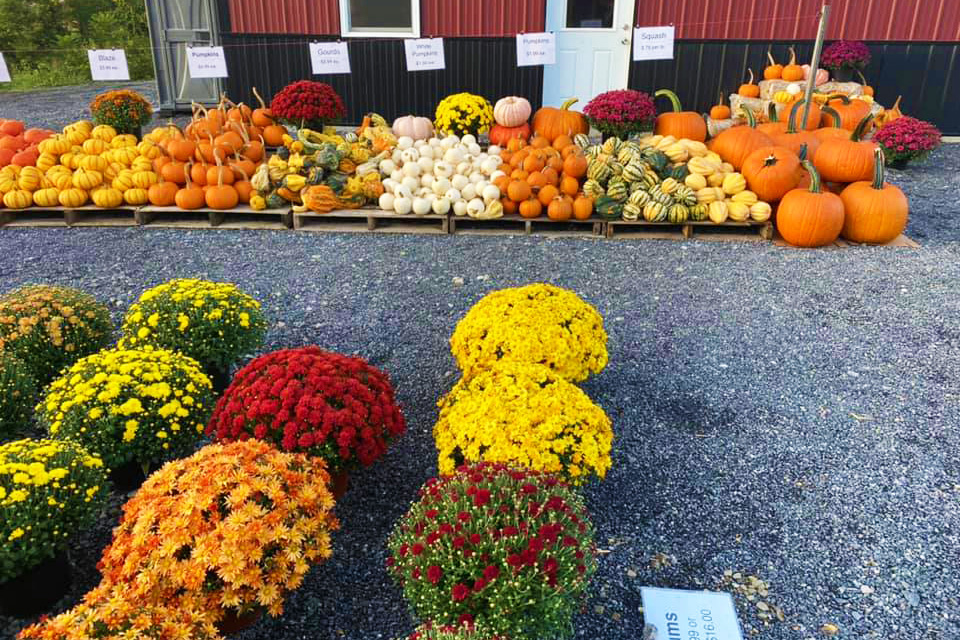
[17, 199]
[738, 211]
[706, 195]
[29, 179]
[57, 145]
[8, 183]
[142, 164]
[760, 211]
[149, 150]
[123, 181]
[94, 163]
[747, 197]
[135, 196]
[124, 140]
[782, 97]
[107, 197]
[718, 212]
[733, 183]
[258, 202]
[47, 197]
[695, 181]
[62, 180]
[83, 125]
[87, 179]
[716, 179]
[145, 179]
[126, 155]
[46, 161]
[113, 171]
[76, 136]
[94, 146]
[73, 197]
[103, 132]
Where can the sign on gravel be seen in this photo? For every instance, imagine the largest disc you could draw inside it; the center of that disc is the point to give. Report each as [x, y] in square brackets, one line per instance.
[678, 614]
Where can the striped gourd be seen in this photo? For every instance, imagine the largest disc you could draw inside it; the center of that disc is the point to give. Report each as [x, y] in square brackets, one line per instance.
[593, 188]
[632, 211]
[669, 185]
[627, 153]
[651, 179]
[639, 198]
[633, 171]
[698, 212]
[636, 186]
[657, 159]
[617, 189]
[685, 195]
[591, 152]
[611, 145]
[665, 199]
[654, 212]
[581, 140]
[738, 211]
[677, 213]
[598, 170]
[608, 208]
[615, 167]
[747, 197]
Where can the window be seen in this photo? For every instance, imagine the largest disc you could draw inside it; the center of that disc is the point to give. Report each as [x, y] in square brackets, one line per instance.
[590, 14]
[380, 18]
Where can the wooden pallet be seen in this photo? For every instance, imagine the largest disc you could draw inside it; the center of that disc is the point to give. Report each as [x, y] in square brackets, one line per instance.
[243, 217]
[705, 230]
[366, 220]
[86, 216]
[900, 241]
[516, 224]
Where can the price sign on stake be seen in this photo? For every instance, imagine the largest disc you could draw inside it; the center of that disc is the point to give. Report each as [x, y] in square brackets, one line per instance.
[653, 43]
[424, 54]
[700, 615]
[329, 57]
[108, 64]
[536, 48]
[4, 72]
[206, 62]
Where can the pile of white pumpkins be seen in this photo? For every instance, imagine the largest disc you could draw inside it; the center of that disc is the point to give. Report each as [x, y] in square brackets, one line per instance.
[438, 175]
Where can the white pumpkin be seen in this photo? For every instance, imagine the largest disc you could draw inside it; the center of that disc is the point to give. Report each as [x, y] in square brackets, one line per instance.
[496, 174]
[459, 181]
[426, 151]
[404, 143]
[386, 201]
[490, 165]
[389, 185]
[426, 164]
[387, 166]
[426, 180]
[409, 155]
[474, 149]
[469, 192]
[464, 168]
[410, 182]
[411, 169]
[440, 205]
[460, 208]
[397, 175]
[512, 111]
[421, 206]
[415, 127]
[441, 186]
[453, 155]
[449, 142]
[490, 192]
[403, 191]
[453, 195]
[468, 139]
[475, 207]
[442, 169]
[494, 150]
[475, 177]
[402, 205]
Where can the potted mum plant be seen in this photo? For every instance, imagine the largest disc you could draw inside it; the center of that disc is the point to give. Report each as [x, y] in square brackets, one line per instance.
[466, 631]
[50, 327]
[240, 524]
[312, 401]
[215, 323]
[133, 408]
[511, 551]
[905, 140]
[534, 323]
[844, 57]
[18, 390]
[462, 113]
[307, 104]
[49, 490]
[526, 416]
[622, 113]
[123, 109]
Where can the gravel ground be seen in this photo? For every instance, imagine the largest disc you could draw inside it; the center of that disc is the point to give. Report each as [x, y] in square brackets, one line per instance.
[779, 414]
[788, 415]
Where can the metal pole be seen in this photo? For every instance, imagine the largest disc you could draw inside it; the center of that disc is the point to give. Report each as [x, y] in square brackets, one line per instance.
[815, 63]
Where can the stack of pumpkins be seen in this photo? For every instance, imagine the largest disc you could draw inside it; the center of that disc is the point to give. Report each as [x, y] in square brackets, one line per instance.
[545, 176]
[18, 145]
[786, 163]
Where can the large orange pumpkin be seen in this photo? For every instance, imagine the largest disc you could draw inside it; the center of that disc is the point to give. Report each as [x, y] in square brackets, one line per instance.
[774, 123]
[501, 135]
[810, 218]
[876, 212]
[813, 115]
[795, 140]
[851, 112]
[736, 143]
[679, 123]
[848, 160]
[551, 122]
[771, 172]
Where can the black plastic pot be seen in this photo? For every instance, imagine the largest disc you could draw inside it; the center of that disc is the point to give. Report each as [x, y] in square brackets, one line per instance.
[128, 477]
[37, 589]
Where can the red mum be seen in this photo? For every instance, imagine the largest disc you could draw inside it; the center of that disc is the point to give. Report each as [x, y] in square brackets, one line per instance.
[434, 574]
[460, 592]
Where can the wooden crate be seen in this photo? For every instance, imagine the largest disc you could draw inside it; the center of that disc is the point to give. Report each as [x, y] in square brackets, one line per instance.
[86, 216]
[367, 220]
[705, 230]
[516, 224]
[242, 217]
[900, 241]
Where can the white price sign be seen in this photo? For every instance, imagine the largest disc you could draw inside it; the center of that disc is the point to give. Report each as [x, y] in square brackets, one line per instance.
[4, 72]
[536, 48]
[424, 54]
[678, 613]
[206, 62]
[653, 43]
[329, 57]
[108, 64]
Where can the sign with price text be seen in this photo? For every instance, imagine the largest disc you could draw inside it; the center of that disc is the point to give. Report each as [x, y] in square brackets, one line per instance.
[678, 614]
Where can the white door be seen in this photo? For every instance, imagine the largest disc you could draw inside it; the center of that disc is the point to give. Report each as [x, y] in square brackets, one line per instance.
[593, 49]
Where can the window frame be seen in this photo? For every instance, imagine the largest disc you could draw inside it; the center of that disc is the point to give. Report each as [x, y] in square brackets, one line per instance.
[347, 31]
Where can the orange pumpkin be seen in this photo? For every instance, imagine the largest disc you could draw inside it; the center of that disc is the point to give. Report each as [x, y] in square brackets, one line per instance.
[536, 180]
[530, 208]
[561, 209]
[561, 142]
[551, 122]
[678, 123]
[191, 196]
[834, 130]
[518, 190]
[792, 72]
[547, 194]
[533, 162]
[891, 114]
[501, 135]
[582, 207]
[261, 116]
[771, 172]
[163, 194]
[810, 218]
[749, 89]
[273, 135]
[795, 140]
[569, 185]
[509, 206]
[773, 124]
[851, 112]
[876, 212]
[575, 165]
[849, 160]
[772, 71]
[720, 111]
[736, 143]
[867, 89]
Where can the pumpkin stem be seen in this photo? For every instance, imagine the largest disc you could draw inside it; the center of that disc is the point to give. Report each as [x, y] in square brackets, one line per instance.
[568, 103]
[862, 127]
[896, 105]
[842, 97]
[186, 173]
[772, 112]
[748, 114]
[814, 177]
[750, 81]
[833, 113]
[793, 56]
[792, 118]
[863, 80]
[803, 152]
[879, 173]
[263, 105]
[773, 62]
[674, 100]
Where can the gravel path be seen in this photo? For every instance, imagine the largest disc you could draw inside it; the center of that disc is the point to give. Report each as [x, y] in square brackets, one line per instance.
[789, 415]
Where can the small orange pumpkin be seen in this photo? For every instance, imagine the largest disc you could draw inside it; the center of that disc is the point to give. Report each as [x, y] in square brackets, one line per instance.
[561, 209]
[530, 208]
[583, 207]
[720, 111]
[774, 70]
[749, 89]
[163, 194]
[191, 196]
[792, 72]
